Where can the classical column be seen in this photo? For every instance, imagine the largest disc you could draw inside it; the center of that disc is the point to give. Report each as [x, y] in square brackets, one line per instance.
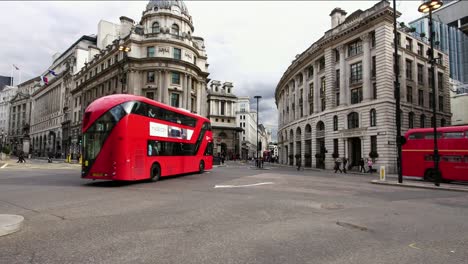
[189, 93]
[366, 68]
[316, 89]
[403, 78]
[166, 87]
[160, 86]
[199, 96]
[343, 92]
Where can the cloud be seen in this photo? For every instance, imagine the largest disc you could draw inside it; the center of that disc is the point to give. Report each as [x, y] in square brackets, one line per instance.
[250, 43]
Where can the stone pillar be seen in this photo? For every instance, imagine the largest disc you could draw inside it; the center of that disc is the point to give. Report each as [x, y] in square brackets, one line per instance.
[165, 87]
[160, 86]
[366, 69]
[403, 78]
[316, 89]
[343, 91]
[189, 94]
[198, 88]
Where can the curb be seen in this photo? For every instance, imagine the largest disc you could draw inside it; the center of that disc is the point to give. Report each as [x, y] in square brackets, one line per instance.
[419, 186]
[10, 224]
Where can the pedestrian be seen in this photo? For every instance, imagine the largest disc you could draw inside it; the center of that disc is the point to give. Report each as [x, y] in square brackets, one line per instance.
[298, 163]
[370, 164]
[338, 165]
[361, 166]
[345, 162]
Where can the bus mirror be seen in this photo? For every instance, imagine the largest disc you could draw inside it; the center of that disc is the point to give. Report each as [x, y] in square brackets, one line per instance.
[402, 140]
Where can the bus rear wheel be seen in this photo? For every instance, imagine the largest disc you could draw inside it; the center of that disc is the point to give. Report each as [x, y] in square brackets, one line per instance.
[201, 167]
[155, 172]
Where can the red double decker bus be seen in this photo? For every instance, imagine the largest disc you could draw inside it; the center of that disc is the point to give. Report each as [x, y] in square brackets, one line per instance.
[418, 153]
[129, 138]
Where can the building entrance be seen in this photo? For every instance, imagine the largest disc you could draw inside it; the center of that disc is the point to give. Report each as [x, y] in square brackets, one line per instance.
[354, 151]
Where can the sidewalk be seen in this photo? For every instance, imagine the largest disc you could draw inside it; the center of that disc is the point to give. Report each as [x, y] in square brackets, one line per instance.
[423, 185]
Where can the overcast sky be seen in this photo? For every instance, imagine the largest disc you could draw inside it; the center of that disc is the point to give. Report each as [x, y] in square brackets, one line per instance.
[250, 43]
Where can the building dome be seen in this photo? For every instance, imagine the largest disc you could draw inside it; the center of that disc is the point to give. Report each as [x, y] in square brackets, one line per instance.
[168, 4]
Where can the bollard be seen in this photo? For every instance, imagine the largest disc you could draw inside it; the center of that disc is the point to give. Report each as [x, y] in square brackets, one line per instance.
[382, 173]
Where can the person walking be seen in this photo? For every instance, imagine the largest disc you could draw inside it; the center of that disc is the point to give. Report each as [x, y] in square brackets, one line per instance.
[361, 166]
[345, 162]
[337, 165]
[299, 164]
[370, 164]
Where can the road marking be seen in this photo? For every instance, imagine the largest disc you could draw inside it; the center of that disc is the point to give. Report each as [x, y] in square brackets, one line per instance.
[247, 185]
[4, 165]
[413, 246]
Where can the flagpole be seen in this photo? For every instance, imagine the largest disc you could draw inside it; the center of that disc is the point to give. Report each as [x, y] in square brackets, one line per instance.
[11, 76]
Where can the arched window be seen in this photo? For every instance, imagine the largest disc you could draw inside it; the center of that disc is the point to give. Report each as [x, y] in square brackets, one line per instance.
[443, 122]
[411, 120]
[422, 121]
[175, 29]
[335, 123]
[353, 120]
[155, 27]
[320, 126]
[373, 118]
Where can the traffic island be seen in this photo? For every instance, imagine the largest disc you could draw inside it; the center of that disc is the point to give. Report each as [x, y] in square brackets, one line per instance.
[10, 224]
[423, 185]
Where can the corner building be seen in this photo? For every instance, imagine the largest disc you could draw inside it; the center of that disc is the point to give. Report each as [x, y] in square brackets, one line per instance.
[158, 57]
[338, 95]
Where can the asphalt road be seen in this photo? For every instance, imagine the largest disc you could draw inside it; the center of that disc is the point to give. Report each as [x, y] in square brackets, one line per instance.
[294, 217]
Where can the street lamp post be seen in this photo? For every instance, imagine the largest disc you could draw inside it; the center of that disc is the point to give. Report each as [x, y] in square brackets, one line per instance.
[426, 7]
[396, 69]
[257, 97]
[125, 50]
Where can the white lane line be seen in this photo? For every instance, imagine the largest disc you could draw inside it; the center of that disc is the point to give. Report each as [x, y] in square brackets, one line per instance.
[248, 185]
[4, 165]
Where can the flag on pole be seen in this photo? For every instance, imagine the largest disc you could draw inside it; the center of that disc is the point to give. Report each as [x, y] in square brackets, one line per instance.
[16, 67]
[44, 80]
[52, 72]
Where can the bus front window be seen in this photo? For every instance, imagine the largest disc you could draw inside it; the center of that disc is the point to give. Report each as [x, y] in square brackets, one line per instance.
[95, 136]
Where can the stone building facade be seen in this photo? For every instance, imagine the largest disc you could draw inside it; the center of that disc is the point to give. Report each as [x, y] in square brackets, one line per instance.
[51, 102]
[158, 57]
[222, 114]
[338, 95]
[6, 94]
[247, 120]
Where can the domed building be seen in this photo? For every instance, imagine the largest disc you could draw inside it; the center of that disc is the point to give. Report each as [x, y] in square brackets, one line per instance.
[158, 57]
[336, 99]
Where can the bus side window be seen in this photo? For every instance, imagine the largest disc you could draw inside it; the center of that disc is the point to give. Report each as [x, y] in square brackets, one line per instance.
[457, 134]
[416, 136]
[452, 158]
[209, 149]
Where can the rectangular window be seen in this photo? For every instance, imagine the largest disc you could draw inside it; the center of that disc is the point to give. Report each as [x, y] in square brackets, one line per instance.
[337, 55]
[322, 93]
[420, 74]
[374, 67]
[150, 95]
[409, 44]
[420, 49]
[310, 72]
[398, 39]
[372, 39]
[441, 103]
[150, 52]
[354, 48]
[453, 134]
[177, 54]
[409, 70]
[175, 78]
[356, 72]
[374, 90]
[356, 95]
[337, 79]
[420, 97]
[409, 94]
[175, 99]
[150, 77]
[440, 81]
[373, 143]
[223, 107]
[337, 99]
[322, 64]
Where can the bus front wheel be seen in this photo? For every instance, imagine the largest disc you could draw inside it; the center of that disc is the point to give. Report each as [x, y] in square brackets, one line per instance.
[201, 167]
[155, 172]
